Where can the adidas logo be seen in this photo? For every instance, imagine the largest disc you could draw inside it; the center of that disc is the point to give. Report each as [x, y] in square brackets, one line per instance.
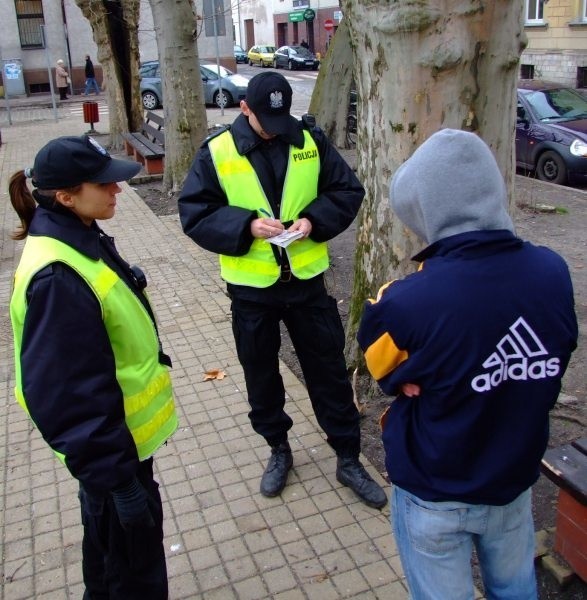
[516, 357]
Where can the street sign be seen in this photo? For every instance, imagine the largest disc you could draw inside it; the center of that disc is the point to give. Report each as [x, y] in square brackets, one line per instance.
[297, 16]
[309, 14]
[328, 24]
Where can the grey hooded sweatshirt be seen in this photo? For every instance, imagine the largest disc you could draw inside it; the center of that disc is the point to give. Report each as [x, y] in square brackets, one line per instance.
[467, 194]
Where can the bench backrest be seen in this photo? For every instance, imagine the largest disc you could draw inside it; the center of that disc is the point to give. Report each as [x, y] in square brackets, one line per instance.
[153, 128]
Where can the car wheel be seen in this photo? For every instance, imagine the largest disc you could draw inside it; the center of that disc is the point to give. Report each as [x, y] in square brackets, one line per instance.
[150, 101]
[551, 167]
[275, 65]
[290, 65]
[250, 63]
[223, 100]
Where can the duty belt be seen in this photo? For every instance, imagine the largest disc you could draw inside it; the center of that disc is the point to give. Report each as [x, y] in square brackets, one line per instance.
[285, 273]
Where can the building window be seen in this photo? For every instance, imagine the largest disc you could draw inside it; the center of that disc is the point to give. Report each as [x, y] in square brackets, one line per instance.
[300, 3]
[582, 77]
[584, 10]
[29, 15]
[534, 11]
[527, 72]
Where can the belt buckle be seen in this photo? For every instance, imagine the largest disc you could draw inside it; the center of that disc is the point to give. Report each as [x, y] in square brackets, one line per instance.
[285, 274]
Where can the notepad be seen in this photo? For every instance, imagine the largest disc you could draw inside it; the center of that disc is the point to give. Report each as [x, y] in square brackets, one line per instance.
[285, 238]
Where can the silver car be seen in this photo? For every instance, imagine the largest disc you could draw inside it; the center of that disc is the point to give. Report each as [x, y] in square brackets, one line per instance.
[234, 87]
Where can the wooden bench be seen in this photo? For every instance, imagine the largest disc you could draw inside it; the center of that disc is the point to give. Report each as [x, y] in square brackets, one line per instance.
[566, 466]
[148, 145]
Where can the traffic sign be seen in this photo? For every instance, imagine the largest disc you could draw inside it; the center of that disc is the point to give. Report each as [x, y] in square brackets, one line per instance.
[328, 24]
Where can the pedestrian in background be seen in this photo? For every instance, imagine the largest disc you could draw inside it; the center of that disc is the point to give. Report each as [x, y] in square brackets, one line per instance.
[62, 78]
[475, 345]
[90, 370]
[91, 82]
[266, 174]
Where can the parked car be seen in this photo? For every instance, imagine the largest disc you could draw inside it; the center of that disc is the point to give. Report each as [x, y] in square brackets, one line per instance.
[150, 85]
[551, 131]
[239, 54]
[234, 87]
[261, 55]
[295, 57]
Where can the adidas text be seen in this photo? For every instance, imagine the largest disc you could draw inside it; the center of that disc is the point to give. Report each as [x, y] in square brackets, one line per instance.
[519, 371]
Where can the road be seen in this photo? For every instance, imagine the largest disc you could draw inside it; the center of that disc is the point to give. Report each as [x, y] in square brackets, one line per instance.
[302, 83]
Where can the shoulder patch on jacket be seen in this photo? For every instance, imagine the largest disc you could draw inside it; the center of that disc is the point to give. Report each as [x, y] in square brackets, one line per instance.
[221, 129]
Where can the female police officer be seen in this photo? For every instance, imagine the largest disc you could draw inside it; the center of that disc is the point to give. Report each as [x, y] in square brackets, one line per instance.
[89, 366]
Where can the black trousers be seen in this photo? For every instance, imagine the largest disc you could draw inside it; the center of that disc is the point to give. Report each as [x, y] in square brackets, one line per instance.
[120, 564]
[317, 335]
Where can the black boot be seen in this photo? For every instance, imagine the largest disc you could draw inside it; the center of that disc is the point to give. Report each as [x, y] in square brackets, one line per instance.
[275, 475]
[350, 472]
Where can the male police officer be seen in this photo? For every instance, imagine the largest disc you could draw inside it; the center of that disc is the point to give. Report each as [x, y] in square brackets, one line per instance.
[265, 174]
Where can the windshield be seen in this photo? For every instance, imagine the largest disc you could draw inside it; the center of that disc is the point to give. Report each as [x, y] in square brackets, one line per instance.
[211, 71]
[563, 104]
[266, 49]
[301, 51]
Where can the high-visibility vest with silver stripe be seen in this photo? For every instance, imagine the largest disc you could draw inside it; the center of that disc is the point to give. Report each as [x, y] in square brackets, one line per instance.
[258, 268]
[146, 385]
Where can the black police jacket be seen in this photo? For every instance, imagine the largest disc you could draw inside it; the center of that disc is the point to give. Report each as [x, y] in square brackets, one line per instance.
[68, 369]
[207, 218]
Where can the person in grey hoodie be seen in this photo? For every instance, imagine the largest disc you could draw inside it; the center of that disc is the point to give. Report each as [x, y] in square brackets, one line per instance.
[474, 345]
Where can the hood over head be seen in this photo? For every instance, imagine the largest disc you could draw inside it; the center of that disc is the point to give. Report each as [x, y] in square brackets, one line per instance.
[450, 185]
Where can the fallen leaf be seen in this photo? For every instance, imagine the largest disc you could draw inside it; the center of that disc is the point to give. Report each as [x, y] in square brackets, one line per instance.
[214, 374]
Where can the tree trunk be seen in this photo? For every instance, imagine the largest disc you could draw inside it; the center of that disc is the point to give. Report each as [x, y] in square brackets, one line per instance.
[183, 94]
[115, 26]
[330, 98]
[421, 67]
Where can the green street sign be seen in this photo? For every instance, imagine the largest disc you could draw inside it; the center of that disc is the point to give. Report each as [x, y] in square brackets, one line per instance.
[309, 14]
[296, 17]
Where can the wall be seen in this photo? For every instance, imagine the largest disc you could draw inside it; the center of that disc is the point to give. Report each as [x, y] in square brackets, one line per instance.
[73, 46]
[558, 47]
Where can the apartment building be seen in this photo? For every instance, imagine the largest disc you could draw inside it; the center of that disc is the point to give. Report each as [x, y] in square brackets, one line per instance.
[34, 34]
[286, 22]
[557, 41]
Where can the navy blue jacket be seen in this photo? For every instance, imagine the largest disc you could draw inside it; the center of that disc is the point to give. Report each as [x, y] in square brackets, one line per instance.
[68, 369]
[486, 329]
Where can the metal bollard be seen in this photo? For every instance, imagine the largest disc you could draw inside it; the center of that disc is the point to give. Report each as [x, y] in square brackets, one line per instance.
[91, 115]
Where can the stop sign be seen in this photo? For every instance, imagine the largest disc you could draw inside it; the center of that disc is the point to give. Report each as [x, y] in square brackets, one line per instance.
[328, 24]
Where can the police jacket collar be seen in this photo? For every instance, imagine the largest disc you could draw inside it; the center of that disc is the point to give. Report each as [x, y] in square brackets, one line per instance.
[471, 244]
[246, 139]
[66, 227]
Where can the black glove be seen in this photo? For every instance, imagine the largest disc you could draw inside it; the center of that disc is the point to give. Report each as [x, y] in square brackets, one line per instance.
[132, 506]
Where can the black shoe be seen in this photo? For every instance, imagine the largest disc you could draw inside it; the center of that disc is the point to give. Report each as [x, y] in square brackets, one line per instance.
[275, 475]
[350, 472]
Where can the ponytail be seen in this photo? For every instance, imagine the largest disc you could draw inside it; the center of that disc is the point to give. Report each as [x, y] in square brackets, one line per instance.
[23, 202]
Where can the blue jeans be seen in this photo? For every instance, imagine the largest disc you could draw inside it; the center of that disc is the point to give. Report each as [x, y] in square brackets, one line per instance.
[91, 83]
[436, 539]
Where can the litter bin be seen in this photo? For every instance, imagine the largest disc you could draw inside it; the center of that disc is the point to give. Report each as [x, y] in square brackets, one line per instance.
[91, 115]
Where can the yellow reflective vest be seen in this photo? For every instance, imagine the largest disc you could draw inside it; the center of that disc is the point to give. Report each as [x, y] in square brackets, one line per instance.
[145, 383]
[258, 268]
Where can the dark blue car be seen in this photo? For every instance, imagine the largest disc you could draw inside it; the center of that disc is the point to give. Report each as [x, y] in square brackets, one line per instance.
[551, 132]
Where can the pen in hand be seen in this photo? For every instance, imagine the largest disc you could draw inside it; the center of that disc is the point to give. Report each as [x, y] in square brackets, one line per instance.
[265, 212]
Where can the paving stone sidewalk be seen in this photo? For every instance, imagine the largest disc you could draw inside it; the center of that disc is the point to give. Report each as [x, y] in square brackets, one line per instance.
[223, 540]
